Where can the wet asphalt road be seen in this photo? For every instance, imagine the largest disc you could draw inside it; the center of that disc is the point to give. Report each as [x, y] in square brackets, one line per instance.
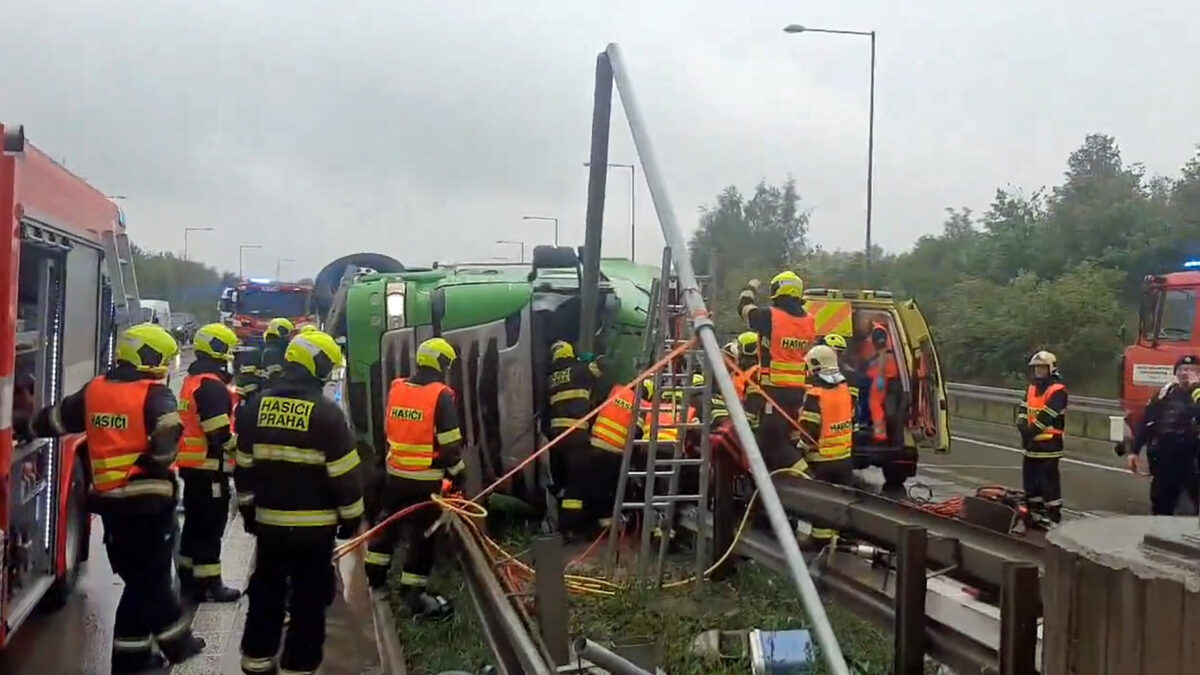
[76, 639]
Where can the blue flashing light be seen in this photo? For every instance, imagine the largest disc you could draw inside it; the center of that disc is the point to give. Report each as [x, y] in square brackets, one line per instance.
[1191, 264]
[259, 280]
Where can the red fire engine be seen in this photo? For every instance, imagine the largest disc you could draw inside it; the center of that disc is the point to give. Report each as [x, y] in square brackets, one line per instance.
[1167, 329]
[254, 302]
[60, 306]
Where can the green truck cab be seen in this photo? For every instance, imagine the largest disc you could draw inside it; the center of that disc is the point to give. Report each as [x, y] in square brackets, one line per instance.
[501, 319]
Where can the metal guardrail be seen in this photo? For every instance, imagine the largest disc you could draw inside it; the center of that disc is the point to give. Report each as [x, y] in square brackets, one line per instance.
[1084, 404]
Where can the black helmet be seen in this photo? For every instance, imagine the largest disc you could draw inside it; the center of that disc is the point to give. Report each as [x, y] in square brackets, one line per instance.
[1186, 360]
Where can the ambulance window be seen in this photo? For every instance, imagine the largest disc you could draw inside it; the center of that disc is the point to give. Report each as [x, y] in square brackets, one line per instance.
[1178, 316]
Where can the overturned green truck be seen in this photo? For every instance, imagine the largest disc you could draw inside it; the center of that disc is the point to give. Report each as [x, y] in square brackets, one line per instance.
[502, 319]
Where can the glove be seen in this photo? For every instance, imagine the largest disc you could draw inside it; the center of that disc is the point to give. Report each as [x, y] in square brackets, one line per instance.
[347, 529]
[754, 285]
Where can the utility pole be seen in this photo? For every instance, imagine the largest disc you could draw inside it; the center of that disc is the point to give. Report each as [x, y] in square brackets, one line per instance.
[187, 230]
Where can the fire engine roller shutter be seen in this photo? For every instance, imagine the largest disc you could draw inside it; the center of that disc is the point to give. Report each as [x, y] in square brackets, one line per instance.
[35, 234]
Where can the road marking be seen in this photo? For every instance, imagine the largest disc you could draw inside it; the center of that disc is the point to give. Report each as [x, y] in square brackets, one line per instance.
[1068, 460]
[936, 467]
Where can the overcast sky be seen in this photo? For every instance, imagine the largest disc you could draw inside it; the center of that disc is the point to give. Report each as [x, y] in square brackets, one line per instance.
[427, 130]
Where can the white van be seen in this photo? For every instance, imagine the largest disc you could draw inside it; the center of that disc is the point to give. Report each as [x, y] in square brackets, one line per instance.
[157, 311]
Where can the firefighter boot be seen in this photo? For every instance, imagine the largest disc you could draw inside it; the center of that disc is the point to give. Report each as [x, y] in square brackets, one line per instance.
[213, 590]
[178, 651]
[423, 605]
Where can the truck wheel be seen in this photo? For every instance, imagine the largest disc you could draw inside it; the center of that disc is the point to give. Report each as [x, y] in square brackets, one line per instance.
[77, 540]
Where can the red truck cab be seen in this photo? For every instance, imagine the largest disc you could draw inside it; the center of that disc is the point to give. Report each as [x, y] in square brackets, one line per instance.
[1167, 330]
[254, 302]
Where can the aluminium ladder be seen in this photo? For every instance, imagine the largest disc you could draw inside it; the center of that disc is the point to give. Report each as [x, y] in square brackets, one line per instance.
[655, 462]
[118, 254]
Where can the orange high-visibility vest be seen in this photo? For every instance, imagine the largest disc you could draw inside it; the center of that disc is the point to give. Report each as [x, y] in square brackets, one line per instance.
[193, 444]
[791, 338]
[116, 430]
[1035, 403]
[837, 423]
[411, 429]
[610, 431]
[742, 380]
[667, 432]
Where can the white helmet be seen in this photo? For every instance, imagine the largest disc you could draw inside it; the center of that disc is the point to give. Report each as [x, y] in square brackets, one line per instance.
[1044, 358]
[823, 361]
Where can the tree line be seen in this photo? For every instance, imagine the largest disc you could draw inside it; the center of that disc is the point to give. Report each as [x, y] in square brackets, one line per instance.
[188, 285]
[1056, 268]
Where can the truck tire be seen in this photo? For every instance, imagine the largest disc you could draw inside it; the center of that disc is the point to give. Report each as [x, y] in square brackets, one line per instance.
[330, 277]
[77, 539]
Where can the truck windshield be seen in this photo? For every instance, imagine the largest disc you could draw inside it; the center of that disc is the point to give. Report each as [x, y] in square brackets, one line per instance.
[1178, 315]
[273, 303]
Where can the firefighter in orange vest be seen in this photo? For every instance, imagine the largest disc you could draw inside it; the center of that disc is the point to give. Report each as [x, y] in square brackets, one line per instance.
[883, 371]
[610, 435]
[788, 333]
[205, 408]
[1041, 421]
[838, 344]
[748, 354]
[827, 419]
[424, 448]
[132, 428]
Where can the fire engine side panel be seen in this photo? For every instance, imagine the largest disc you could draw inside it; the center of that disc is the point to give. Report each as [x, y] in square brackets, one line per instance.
[9, 252]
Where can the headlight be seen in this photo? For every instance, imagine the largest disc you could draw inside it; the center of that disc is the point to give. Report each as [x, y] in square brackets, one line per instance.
[394, 304]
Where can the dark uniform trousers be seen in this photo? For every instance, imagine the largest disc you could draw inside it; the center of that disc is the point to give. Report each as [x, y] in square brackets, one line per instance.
[304, 568]
[1173, 472]
[576, 456]
[399, 494]
[776, 436]
[838, 472]
[206, 510]
[1043, 486]
[601, 486]
[140, 548]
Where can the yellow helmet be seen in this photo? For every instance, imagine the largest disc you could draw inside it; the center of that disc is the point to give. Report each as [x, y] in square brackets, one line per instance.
[1044, 358]
[697, 379]
[308, 328]
[436, 353]
[560, 350]
[216, 340]
[748, 343]
[787, 284]
[835, 340]
[147, 347]
[317, 352]
[278, 328]
[647, 390]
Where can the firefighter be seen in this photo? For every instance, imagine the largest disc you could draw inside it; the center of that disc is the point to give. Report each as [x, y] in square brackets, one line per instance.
[1168, 430]
[571, 383]
[132, 427]
[788, 333]
[1041, 421]
[298, 487]
[883, 374]
[610, 435]
[424, 448]
[275, 343]
[838, 344]
[205, 409]
[827, 421]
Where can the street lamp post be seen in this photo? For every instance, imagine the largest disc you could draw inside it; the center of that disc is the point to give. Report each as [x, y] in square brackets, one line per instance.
[632, 204]
[241, 250]
[186, 230]
[797, 28]
[514, 243]
[548, 218]
[278, 264]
